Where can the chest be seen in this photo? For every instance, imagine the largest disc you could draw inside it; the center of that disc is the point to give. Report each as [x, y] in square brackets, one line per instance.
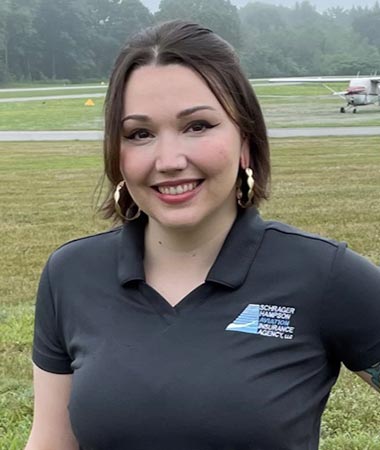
[221, 364]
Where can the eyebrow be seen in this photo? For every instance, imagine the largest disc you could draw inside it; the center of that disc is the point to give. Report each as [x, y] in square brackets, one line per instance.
[186, 112]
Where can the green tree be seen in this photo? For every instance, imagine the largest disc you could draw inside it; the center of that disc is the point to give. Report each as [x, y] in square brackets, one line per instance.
[264, 28]
[268, 41]
[3, 43]
[347, 51]
[305, 14]
[112, 23]
[62, 29]
[79, 39]
[21, 38]
[219, 15]
[281, 41]
[367, 25]
[339, 16]
[262, 18]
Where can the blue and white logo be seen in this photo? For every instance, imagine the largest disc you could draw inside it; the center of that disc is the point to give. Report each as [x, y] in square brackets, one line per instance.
[247, 321]
[266, 320]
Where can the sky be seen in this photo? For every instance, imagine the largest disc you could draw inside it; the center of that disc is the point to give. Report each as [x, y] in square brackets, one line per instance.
[319, 4]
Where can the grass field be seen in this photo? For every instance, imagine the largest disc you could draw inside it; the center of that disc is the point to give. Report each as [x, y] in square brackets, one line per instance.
[67, 114]
[328, 186]
[310, 106]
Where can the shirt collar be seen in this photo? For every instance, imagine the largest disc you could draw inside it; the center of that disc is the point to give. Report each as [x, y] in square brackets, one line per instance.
[131, 251]
[231, 266]
[239, 250]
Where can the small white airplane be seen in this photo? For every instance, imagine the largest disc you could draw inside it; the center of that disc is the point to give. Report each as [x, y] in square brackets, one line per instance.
[361, 91]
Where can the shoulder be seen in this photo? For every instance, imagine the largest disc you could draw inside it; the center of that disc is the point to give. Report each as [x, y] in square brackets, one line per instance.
[283, 230]
[344, 258]
[290, 240]
[91, 242]
[81, 251]
[277, 241]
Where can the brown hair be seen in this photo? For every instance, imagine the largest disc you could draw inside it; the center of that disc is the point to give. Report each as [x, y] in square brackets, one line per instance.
[196, 47]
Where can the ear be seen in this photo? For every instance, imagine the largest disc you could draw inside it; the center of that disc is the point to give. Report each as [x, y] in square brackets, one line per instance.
[245, 155]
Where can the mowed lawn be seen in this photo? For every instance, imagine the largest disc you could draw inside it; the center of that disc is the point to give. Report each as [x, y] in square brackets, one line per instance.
[47, 196]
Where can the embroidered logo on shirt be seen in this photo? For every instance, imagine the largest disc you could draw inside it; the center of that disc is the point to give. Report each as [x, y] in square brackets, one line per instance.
[266, 320]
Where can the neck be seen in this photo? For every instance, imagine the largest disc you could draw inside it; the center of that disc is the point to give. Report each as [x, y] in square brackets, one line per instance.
[200, 244]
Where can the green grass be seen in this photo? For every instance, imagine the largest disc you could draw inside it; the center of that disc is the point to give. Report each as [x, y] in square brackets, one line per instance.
[68, 114]
[306, 89]
[329, 186]
[46, 197]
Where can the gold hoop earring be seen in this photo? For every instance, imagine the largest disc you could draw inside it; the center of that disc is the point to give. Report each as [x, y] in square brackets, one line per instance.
[130, 215]
[116, 196]
[250, 193]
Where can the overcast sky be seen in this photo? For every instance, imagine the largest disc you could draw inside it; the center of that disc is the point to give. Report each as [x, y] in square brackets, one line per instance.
[320, 4]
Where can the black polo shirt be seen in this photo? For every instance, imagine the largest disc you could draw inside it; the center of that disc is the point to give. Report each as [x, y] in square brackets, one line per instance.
[245, 361]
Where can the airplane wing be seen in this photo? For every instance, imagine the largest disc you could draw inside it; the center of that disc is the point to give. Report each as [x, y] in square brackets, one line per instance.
[311, 79]
[337, 79]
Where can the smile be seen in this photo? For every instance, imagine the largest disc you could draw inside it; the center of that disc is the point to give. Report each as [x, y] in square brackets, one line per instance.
[177, 190]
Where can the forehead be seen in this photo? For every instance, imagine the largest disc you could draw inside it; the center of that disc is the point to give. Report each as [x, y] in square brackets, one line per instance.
[166, 88]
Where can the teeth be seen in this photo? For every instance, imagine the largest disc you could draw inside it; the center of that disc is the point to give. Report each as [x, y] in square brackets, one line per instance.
[176, 190]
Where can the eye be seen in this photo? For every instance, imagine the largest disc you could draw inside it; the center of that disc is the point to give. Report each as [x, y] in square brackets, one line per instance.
[138, 135]
[199, 126]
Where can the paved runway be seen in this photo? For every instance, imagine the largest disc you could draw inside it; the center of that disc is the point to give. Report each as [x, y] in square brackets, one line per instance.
[51, 135]
[50, 97]
[323, 131]
[274, 133]
[54, 88]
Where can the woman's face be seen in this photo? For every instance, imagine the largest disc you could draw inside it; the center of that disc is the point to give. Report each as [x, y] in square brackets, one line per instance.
[180, 151]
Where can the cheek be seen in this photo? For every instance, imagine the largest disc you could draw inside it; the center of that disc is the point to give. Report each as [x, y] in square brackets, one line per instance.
[133, 163]
[220, 157]
[123, 156]
[122, 161]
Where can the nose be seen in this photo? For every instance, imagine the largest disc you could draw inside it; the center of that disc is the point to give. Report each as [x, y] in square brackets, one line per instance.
[170, 157]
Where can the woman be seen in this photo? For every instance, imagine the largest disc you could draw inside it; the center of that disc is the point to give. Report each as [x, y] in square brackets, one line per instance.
[196, 325]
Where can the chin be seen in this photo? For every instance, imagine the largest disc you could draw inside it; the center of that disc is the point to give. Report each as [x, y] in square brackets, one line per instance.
[180, 224]
[179, 220]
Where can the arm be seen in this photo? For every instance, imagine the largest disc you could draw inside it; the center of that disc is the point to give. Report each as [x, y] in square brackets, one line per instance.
[371, 376]
[51, 425]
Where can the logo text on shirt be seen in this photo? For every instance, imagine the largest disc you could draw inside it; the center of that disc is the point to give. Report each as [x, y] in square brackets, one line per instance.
[266, 320]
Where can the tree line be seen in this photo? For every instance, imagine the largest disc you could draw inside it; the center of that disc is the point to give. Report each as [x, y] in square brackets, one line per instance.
[78, 40]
